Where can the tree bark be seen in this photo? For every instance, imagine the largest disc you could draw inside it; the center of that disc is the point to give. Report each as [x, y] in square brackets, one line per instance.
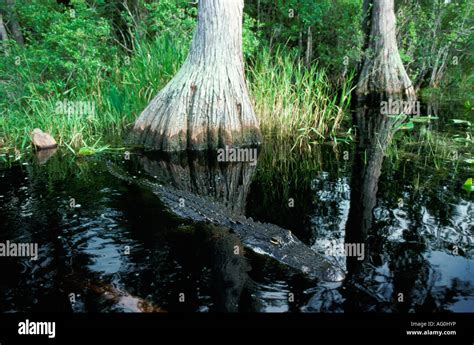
[14, 24]
[3, 31]
[309, 47]
[3, 35]
[206, 105]
[383, 74]
[366, 15]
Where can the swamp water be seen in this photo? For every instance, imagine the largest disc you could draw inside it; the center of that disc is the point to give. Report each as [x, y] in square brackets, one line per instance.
[108, 245]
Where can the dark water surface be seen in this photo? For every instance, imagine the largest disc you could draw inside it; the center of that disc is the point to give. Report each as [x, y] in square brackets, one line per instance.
[116, 248]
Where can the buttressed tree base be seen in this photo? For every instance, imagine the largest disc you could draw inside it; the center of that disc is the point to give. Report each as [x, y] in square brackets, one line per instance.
[383, 73]
[206, 105]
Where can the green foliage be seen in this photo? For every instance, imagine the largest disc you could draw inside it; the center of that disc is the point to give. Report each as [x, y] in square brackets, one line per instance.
[408, 126]
[335, 27]
[468, 185]
[65, 47]
[429, 148]
[173, 17]
[250, 36]
[435, 42]
[118, 97]
[294, 102]
[118, 54]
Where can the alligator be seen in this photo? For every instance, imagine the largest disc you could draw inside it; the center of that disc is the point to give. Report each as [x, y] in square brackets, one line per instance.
[262, 238]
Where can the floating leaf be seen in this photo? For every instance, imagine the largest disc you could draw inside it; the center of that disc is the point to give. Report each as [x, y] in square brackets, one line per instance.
[468, 185]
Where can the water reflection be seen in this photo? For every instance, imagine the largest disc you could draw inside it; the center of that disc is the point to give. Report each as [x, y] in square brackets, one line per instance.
[396, 275]
[227, 264]
[220, 250]
[415, 223]
[198, 173]
[374, 135]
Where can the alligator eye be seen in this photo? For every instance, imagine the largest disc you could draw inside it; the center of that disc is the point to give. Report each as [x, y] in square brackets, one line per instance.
[274, 240]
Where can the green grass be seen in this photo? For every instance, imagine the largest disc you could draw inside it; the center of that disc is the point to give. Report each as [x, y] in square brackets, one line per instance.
[292, 102]
[431, 149]
[118, 99]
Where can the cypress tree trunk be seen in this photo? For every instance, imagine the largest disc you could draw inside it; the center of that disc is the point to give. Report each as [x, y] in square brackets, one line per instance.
[3, 30]
[383, 73]
[206, 105]
[14, 24]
